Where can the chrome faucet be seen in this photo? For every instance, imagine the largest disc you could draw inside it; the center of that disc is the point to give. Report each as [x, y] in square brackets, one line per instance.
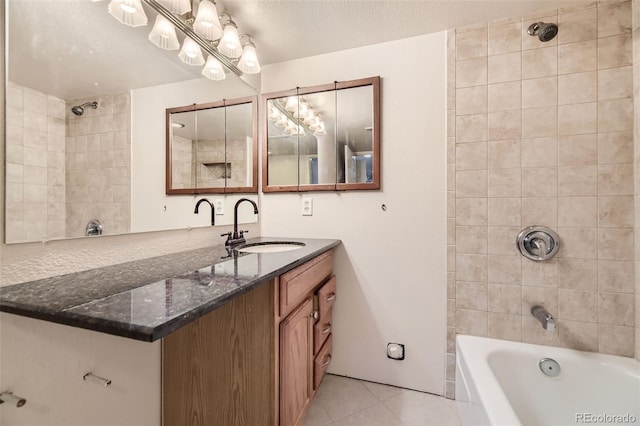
[213, 210]
[545, 318]
[237, 238]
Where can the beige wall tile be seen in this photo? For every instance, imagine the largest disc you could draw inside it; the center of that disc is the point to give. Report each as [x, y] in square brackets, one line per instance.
[532, 332]
[615, 243]
[616, 339]
[615, 211]
[504, 96]
[505, 38]
[471, 72]
[505, 269]
[34, 101]
[451, 258]
[451, 231]
[451, 203]
[616, 276]
[504, 154]
[502, 240]
[471, 211]
[471, 267]
[540, 274]
[471, 44]
[577, 305]
[505, 326]
[540, 152]
[577, 150]
[540, 92]
[576, 26]
[615, 147]
[471, 100]
[615, 51]
[577, 119]
[505, 299]
[471, 128]
[540, 211]
[577, 88]
[546, 297]
[578, 181]
[504, 211]
[577, 57]
[505, 125]
[614, 19]
[504, 183]
[471, 183]
[471, 296]
[506, 67]
[578, 243]
[471, 156]
[578, 212]
[615, 115]
[615, 179]
[530, 42]
[577, 274]
[451, 312]
[615, 83]
[539, 122]
[451, 339]
[451, 285]
[452, 122]
[616, 308]
[471, 322]
[471, 239]
[540, 182]
[541, 62]
[582, 336]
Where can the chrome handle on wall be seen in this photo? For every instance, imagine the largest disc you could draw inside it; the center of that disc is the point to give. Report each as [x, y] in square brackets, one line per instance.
[10, 398]
[97, 379]
[326, 329]
[331, 297]
[327, 362]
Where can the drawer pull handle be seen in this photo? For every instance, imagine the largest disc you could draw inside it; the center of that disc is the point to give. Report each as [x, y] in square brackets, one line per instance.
[326, 329]
[327, 362]
[331, 297]
[97, 379]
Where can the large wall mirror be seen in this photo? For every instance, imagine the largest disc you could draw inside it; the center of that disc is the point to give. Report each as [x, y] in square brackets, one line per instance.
[85, 123]
[322, 138]
[211, 147]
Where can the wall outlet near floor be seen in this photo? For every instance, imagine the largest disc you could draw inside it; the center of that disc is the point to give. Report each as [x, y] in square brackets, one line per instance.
[219, 203]
[307, 206]
[395, 351]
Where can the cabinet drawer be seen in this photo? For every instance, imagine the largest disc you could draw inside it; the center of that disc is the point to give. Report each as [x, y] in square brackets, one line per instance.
[321, 330]
[321, 363]
[298, 283]
[326, 296]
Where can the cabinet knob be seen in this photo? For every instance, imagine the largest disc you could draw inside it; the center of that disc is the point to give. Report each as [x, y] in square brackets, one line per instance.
[314, 315]
[331, 297]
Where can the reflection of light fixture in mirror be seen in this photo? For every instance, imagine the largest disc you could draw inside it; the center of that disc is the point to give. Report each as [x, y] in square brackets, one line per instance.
[207, 23]
[230, 42]
[179, 7]
[213, 69]
[302, 109]
[163, 34]
[320, 130]
[274, 114]
[282, 121]
[190, 53]
[249, 61]
[128, 12]
[310, 117]
[292, 103]
[177, 125]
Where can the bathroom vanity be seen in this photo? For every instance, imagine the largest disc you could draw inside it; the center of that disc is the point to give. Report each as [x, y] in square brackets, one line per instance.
[245, 337]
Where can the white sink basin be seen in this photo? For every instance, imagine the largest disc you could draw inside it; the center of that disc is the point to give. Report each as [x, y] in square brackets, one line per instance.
[270, 247]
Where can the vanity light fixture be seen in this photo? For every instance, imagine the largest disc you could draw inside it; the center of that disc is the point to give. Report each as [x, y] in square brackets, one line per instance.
[292, 103]
[213, 69]
[207, 23]
[163, 34]
[191, 54]
[230, 42]
[179, 7]
[249, 61]
[128, 12]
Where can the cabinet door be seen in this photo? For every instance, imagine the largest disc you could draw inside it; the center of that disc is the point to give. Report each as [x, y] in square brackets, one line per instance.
[296, 356]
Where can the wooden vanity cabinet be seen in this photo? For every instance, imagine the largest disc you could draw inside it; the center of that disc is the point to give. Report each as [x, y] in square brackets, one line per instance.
[218, 370]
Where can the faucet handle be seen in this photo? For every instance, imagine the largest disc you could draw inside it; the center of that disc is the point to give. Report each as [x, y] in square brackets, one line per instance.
[243, 232]
[226, 234]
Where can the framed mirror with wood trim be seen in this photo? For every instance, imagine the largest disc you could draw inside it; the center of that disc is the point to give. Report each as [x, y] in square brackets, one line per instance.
[212, 148]
[322, 138]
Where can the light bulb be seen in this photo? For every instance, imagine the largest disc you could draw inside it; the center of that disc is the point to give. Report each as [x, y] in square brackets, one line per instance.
[179, 7]
[213, 69]
[190, 53]
[292, 103]
[249, 61]
[302, 110]
[163, 34]
[128, 12]
[207, 23]
[230, 42]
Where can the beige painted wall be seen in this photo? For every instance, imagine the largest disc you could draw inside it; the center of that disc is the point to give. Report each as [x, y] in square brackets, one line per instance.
[542, 134]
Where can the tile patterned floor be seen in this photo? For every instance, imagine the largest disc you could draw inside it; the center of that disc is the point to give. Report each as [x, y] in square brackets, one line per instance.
[341, 401]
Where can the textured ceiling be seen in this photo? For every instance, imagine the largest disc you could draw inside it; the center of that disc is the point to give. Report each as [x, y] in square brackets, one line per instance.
[75, 49]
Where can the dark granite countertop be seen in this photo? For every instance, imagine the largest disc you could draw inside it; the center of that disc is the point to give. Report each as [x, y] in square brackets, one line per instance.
[150, 298]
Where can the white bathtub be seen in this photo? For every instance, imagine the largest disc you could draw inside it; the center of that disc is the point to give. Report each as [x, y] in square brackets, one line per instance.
[499, 383]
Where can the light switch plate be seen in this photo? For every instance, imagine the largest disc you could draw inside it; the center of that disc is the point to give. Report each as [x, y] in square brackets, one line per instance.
[307, 206]
[219, 203]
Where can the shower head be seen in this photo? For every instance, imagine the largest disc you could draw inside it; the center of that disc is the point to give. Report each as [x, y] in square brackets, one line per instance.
[545, 32]
[79, 109]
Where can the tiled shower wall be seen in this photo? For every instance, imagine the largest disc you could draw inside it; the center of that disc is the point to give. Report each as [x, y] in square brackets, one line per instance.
[35, 148]
[636, 138]
[542, 134]
[98, 165]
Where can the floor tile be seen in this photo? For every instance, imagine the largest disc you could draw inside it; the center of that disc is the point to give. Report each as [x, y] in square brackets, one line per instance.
[316, 416]
[376, 415]
[382, 392]
[341, 396]
[422, 409]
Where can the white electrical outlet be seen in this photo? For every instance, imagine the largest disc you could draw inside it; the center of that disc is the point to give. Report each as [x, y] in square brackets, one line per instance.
[307, 207]
[219, 203]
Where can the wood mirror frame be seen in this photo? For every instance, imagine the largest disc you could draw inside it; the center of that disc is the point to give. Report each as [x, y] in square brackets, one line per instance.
[225, 103]
[374, 184]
